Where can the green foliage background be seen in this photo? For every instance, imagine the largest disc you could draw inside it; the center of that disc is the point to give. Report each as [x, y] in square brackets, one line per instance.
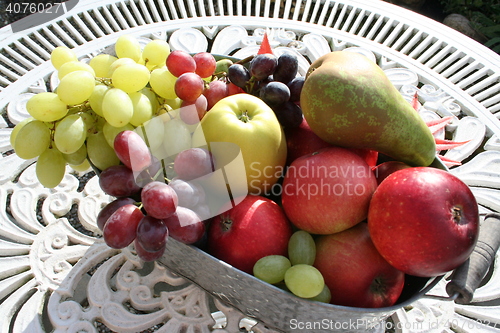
[484, 16]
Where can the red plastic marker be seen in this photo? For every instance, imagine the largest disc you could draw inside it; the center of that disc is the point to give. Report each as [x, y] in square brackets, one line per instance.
[265, 47]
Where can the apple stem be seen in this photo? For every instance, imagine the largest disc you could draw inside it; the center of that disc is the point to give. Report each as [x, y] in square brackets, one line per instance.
[226, 223]
[457, 214]
[244, 117]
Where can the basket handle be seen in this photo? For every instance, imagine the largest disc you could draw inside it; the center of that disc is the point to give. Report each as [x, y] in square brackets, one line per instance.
[467, 277]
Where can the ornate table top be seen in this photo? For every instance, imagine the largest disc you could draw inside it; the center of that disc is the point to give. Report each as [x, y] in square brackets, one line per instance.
[58, 275]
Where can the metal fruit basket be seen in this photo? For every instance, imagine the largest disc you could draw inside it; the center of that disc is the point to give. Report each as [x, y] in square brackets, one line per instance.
[49, 258]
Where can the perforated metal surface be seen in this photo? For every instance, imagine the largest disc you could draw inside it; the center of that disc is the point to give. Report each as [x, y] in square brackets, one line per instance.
[441, 55]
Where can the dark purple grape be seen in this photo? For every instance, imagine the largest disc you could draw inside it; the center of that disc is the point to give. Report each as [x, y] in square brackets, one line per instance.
[238, 75]
[275, 93]
[152, 234]
[289, 114]
[295, 87]
[110, 208]
[263, 65]
[118, 181]
[287, 68]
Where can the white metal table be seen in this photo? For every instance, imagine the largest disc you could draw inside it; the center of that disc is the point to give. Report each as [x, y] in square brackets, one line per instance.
[57, 275]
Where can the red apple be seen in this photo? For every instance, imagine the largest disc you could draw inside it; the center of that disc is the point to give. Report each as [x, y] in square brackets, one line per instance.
[386, 168]
[254, 228]
[302, 141]
[424, 221]
[327, 191]
[354, 270]
[370, 156]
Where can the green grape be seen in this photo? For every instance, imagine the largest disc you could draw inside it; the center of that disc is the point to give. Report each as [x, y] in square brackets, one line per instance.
[143, 110]
[117, 107]
[304, 281]
[61, 55]
[84, 166]
[174, 103]
[73, 66]
[118, 63]
[162, 82]
[131, 77]
[50, 167]
[78, 157]
[46, 106]
[110, 132]
[70, 134]
[96, 98]
[90, 120]
[101, 64]
[271, 269]
[100, 153]
[16, 129]
[128, 46]
[152, 132]
[301, 248]
[76, 87]
[177, 137]
[155, 104]
[156, 52]
[32, 139]
[324, 296]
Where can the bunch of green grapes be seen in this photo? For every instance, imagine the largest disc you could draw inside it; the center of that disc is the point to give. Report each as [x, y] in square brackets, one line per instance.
[296, 272]
[76, 124]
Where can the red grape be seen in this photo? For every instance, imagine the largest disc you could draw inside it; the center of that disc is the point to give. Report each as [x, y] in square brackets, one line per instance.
[189, 86]
[233, 89]
[146, 255]
[118, 181]
[121, 227]
[189, 194]
[192, 112]
[152, 234]
[193, 163]
[185, 226]
[179, 62]
[109, 209]
[215, 91]
[132, 150]
[203, 211]
[159, 199]
[205, 64]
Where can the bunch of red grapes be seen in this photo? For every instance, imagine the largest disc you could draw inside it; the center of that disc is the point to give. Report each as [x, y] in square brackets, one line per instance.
[149, 207]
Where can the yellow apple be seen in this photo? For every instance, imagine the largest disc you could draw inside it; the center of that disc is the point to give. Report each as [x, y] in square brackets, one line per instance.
[246, 122]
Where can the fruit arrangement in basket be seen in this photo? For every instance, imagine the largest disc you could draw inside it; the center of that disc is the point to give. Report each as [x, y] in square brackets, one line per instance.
[321, 184]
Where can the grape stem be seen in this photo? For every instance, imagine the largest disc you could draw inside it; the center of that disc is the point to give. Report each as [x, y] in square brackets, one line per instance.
[245, 60]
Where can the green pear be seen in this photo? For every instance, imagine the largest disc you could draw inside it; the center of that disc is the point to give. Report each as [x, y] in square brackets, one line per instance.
[348, 101]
